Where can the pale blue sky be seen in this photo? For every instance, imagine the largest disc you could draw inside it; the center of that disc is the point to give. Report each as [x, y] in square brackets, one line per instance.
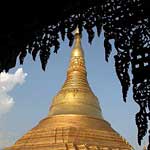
[33, 98]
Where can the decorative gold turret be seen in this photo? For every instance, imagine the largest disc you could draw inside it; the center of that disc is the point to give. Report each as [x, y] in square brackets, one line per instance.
[145, 147]
[76, 96]
[75, 119]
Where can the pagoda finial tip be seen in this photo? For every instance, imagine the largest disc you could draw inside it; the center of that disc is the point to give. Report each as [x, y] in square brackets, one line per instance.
[76, 30]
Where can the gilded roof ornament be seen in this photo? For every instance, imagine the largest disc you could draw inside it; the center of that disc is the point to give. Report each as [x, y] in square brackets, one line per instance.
[76, 96]
[77, 31]
[75, 120]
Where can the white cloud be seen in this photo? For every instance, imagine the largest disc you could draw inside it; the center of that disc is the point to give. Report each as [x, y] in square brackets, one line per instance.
[7, 139]
[7, 83]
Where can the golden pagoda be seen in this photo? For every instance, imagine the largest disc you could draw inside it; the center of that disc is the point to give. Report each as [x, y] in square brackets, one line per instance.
[145, 147]
[75, 120]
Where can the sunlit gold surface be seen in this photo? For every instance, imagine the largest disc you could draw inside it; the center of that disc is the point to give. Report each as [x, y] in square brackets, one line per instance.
[78, 132]
[145, 147]
[76, 96]
[75, 119]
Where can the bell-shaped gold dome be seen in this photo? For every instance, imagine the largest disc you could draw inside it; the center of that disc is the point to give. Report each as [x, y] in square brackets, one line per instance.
[75, 119]
[76, 96]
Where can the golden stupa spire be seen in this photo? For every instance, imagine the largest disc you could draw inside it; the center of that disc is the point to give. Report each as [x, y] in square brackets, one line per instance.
[144, 148]
[76, 96]
[75, 120]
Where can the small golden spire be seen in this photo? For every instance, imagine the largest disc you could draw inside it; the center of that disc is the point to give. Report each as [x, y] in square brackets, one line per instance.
[76, 96]
[144, 148]
[77, 50]
[77, 31]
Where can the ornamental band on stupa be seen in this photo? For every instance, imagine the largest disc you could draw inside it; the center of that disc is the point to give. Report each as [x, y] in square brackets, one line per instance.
[75, 120]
